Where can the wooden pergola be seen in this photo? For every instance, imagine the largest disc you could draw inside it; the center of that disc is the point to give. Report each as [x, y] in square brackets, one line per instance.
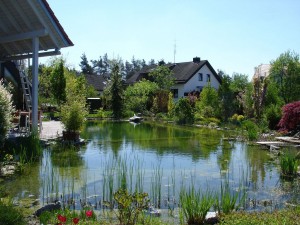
[29, 29]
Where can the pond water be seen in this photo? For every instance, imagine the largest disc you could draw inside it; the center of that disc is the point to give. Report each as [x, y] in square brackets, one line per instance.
[157, 159]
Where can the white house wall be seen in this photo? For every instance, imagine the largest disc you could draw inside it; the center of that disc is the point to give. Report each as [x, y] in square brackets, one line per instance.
[195, 85]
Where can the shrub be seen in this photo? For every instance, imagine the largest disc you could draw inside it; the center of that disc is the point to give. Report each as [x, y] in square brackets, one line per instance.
[6, 110]
[73, 115]
[130, 206]
[183, 112]
[273, 114]
[10, 215]
[290, 119]
[252, 129]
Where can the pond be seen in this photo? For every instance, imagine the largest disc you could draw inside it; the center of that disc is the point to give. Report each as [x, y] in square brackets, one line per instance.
[157, 159]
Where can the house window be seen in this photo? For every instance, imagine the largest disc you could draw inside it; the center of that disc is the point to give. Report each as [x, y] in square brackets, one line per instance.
[200, 76]
[208, 77]
[175, 93]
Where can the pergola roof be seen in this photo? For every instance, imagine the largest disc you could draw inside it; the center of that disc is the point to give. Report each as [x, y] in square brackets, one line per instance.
[22, 20]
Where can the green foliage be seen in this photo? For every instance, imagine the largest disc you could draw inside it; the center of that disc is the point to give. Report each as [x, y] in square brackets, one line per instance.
[115, 92]
[285, 72]
[58, 82]
[273, 115]
[6, 110]
[45, 92]
[74, 110]
[252, 129]
[278, 217]
[289, 164]
[247, 101]
[227, 98]
[195, 205]
[237, 119]
[171, 105]
[208, 105]
[229, 200]
[163, 76]
[239, 82]
[9, 215]
[85, 66]
[130, 206]
[139, 97]
[73, 114]
[183, 112]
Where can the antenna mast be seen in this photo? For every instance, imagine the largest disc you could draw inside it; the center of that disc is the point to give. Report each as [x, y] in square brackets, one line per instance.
[174, 50]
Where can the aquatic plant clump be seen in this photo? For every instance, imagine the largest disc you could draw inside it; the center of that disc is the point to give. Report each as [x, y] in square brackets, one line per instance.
[196, 204]
[289, 164]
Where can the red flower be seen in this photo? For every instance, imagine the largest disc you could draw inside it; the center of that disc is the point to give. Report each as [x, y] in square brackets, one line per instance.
[89, 213]
[61, 218]
[75, 220]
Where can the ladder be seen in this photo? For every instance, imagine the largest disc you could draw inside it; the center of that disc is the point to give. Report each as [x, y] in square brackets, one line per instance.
[26, 86]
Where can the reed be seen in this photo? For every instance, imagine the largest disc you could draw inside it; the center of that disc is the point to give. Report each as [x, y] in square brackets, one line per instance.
[289, 164]
[230, 200]
[195, 204]
[156, 183]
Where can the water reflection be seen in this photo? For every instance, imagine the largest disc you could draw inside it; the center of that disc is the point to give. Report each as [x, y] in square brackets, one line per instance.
[158, 159]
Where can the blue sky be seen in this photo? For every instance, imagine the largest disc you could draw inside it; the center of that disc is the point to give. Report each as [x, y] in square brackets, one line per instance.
[233, 35]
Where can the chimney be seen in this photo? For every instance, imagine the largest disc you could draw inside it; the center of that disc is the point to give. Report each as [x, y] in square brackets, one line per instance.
[196, 59]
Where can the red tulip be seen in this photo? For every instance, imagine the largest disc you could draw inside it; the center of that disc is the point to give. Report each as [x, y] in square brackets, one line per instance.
[75, 220]
[89, 213]
[61, 218]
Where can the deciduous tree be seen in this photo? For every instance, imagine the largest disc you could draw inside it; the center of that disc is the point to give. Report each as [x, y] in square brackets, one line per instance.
[285, 72]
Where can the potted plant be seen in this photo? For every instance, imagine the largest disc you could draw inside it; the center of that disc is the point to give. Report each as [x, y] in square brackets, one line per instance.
[73, 114]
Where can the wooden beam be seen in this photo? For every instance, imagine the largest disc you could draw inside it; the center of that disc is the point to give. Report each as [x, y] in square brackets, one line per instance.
[27, 56]
[23, 36]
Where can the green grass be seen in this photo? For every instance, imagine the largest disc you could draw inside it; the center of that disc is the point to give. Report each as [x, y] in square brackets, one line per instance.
[281, 217]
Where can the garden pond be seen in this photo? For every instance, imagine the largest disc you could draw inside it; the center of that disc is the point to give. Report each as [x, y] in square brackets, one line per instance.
[157, 159]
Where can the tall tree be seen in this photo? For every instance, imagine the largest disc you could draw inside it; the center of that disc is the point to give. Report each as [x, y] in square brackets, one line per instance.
[58, 82]
[285, 72]
[115, 91]
[163, 76]
[227, 98]
[86, 68]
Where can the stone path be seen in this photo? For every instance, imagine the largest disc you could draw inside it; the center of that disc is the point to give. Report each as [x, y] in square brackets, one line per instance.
[51, 130]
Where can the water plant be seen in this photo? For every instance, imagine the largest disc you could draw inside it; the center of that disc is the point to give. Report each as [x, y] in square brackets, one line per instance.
[195, 204]
[229, 200]
[288, 164]
[9, 215]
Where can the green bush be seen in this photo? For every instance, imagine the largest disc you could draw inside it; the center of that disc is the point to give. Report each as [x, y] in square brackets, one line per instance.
[9, 215]
[73, 114]
[183, 112]
[6, 110]
[252, 129]
[130, 206]
[273, 115]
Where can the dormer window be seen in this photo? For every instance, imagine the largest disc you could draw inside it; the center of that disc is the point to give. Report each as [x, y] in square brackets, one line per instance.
[200, 77]
[208, 77]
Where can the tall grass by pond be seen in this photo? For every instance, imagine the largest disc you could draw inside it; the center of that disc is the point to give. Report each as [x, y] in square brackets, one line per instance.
[289, 163]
